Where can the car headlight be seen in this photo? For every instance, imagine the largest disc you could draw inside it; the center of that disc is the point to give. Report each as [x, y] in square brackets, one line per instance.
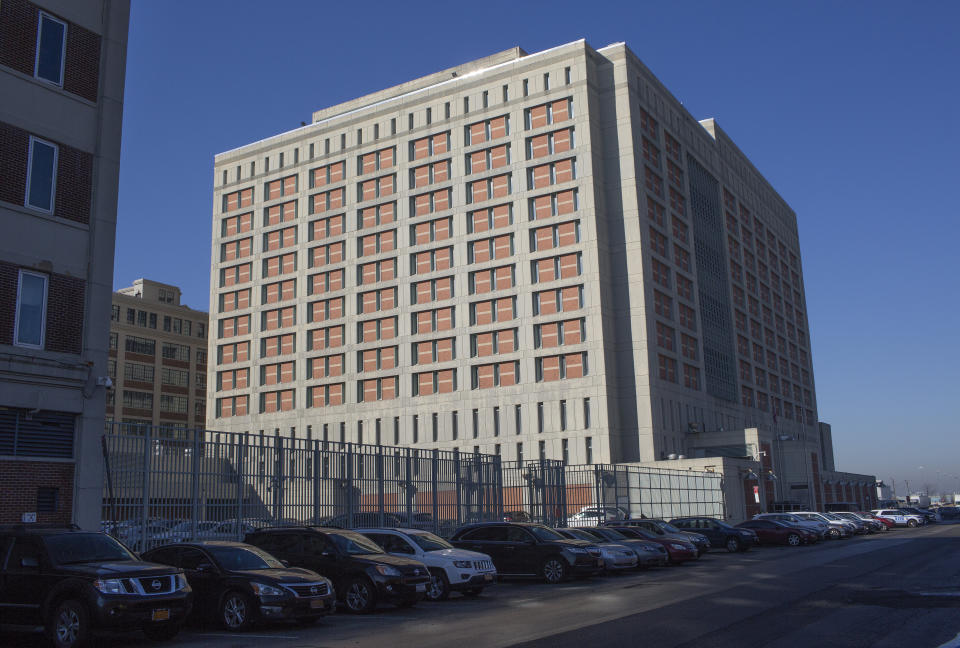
[461, 564]
[679, 547]
[387, 570]
[262, 589]
[110, 586]
[180, 582]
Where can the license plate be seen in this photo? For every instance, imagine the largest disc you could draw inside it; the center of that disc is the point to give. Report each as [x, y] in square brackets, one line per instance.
[488, 577]
[161, 615]
[422, 587]
[317, 604]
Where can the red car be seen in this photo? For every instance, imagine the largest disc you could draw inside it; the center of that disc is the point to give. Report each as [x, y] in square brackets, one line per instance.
[678, 551]
[773, 532]
[887, 521]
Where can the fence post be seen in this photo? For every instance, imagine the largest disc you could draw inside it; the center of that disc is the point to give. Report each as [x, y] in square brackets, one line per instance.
[317, 483]
[456, 490]
[278, 443]
[435, 460]
[145, 513]
[381, 496]
[349, 487]
[408, 486]
[195, 486]
[563, 495]
[241, 460]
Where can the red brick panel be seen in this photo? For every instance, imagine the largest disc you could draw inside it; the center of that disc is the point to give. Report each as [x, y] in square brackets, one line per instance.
[21, 479]
[18, 36]
[65, 307]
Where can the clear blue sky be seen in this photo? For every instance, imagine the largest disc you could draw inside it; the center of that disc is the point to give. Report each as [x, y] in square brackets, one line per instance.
[849, 109]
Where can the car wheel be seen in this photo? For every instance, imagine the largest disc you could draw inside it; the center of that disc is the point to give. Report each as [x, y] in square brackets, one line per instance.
[793, 540]
[70, 625]
[164, 632]
[235, 611]
[911, 523]
[439, 587]
[733, 544]
[554, 570]
[359, 596]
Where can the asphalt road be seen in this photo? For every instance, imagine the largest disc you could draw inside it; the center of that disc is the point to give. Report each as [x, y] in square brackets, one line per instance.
[901, 588]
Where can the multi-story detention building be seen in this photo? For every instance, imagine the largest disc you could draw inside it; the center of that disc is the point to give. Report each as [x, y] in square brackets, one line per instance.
[534, 255]
[62, 69]
[158, 361]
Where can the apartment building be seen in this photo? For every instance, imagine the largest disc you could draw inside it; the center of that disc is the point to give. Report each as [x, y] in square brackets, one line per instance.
[158, 361]
[61, 79]
[533, 255]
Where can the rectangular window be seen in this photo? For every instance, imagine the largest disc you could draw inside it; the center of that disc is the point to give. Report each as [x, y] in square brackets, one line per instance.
[454, 423]
[51, 45]
[540, 418]
[588, 446]
[563, 415]
[476, 424]
[517, 419]
[496, 421]
[542, 449]
[31, 313]
[41, 175]
[520, 445]
[586, 413]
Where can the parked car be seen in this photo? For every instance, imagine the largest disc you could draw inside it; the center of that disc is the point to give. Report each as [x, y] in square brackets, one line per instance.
[899, 517]
[718, 532]
[594, 515]
[927, 515]
[363, 574]
[867, 526]
[649, 554]
[884, 523]
[183, 531]
[771, 532]
[678, 550]
[854, 527]
[524, 549]
[516, 516]
[661, 528]
[615, 556]
[818, 526]
[451, 569]
[236, 585]
[75, 583]
[835, 528]
[365, 520]
[949, 512]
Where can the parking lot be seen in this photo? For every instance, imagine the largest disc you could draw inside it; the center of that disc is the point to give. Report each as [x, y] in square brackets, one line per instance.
[900, 588]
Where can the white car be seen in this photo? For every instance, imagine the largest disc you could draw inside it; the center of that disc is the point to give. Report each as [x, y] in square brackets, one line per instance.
[451, 569]
[591, 516]
[819, 527]
[899, 517]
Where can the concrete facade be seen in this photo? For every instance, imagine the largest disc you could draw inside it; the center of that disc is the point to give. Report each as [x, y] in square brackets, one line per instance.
[60, 122]
[158, 360]
[398, 271]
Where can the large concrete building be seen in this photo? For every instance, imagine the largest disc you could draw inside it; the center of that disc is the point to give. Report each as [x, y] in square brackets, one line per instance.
[62, 65]
[533, 255]
[158, 361]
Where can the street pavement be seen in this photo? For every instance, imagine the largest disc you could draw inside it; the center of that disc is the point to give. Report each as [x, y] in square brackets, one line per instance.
[900, 588]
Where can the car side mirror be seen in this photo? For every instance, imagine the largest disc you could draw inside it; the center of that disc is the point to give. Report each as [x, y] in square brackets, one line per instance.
[30, 562]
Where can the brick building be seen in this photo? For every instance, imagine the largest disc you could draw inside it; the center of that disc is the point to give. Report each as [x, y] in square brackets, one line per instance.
[158, 360]
[61, 78]
[530, 255]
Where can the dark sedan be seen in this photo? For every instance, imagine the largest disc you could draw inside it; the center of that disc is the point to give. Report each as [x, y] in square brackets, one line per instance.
[236, 584]
[771, 532]
[718, 532]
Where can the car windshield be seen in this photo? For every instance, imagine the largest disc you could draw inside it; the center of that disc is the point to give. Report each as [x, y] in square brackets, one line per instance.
[243, 558]
[75, 548]
[430, 542]
[612, 534]
[581, 535]
[669, 528]
[644, 533]
[353, 543]
[545, 533]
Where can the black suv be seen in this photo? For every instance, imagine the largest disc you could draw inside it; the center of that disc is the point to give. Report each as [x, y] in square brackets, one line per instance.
[361, 571]
[523, 549]
[237, 584]
[76, 582]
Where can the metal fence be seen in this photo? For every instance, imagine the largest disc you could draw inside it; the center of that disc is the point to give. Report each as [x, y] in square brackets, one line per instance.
[162, 486]
[640, 491]
[169, 484]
